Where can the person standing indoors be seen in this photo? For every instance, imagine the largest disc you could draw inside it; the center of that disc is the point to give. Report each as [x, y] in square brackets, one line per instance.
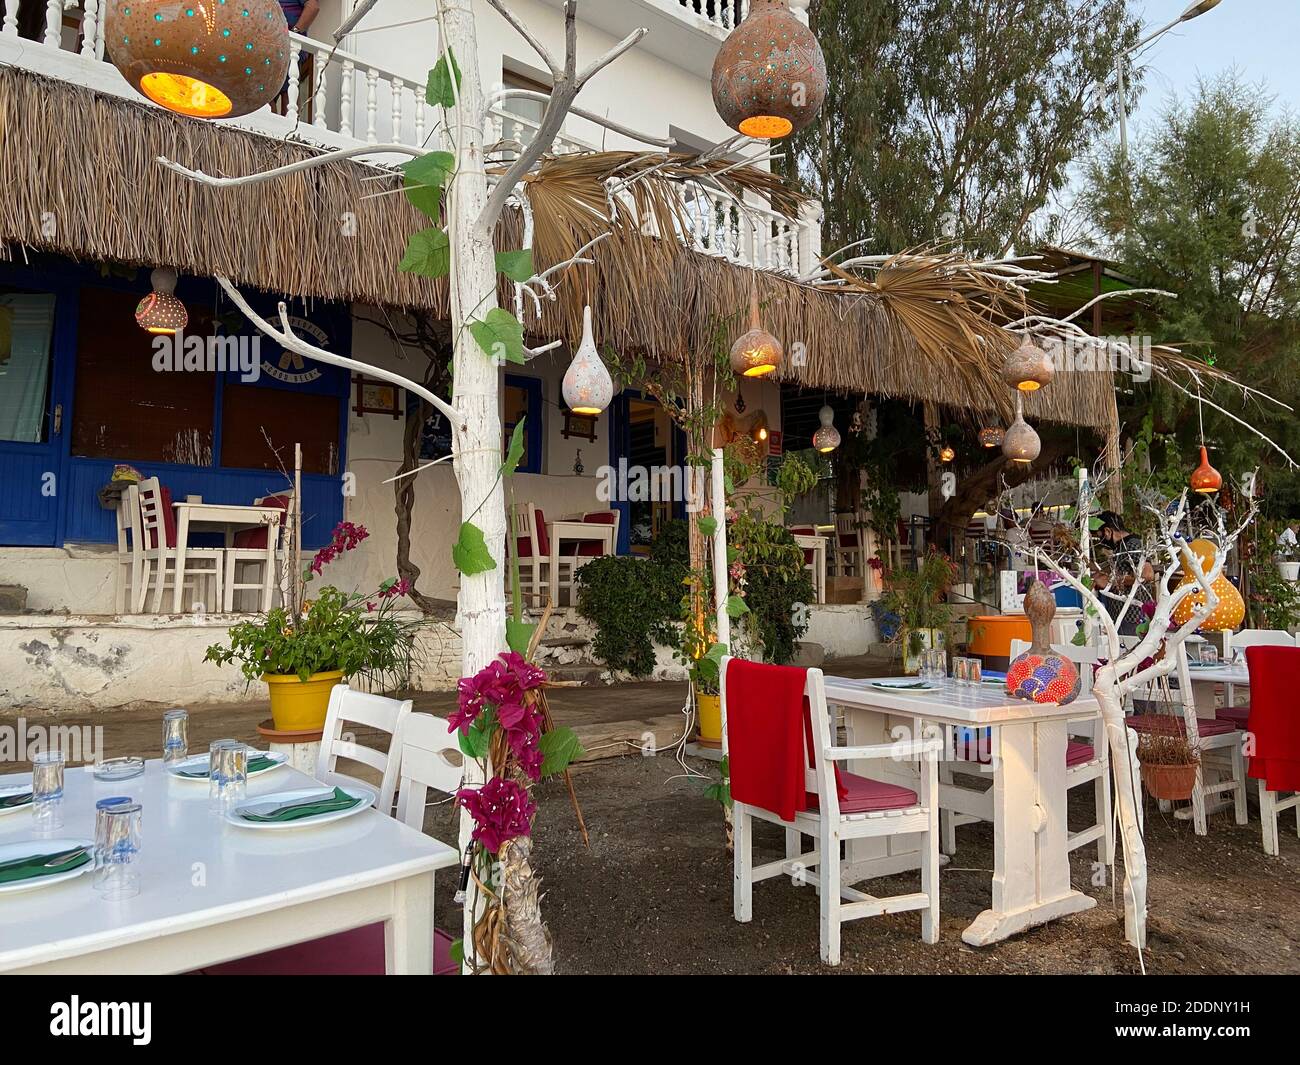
[1124, 564]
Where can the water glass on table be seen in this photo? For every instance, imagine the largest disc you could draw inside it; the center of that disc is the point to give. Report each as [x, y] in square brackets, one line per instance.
[961, 671]
[227, 774]
[1208, 654]
[938, 664]
[117, 849]
[47, 790]
[176, 744]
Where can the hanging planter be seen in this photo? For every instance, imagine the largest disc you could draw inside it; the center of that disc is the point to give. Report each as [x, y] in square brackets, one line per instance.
[769, 76]
[1168, 762]
[202, 58]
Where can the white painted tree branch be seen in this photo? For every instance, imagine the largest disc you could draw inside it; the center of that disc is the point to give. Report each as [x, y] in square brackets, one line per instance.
[291, 168]
[591, 116]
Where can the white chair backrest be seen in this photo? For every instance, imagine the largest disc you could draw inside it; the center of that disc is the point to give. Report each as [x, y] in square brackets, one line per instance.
[848, 534]
[152, 524]
[348, 707]
[430, 758]
[523, 526]
[1080, 656]
[128, 522]
[820, 779]
[1258, 638]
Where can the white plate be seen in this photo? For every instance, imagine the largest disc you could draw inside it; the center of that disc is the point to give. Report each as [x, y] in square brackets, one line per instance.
[357, 791]
[15, 791]
[200, 761]
[905, 687]
[23, 848]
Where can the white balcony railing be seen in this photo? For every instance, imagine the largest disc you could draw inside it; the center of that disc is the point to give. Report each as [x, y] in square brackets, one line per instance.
[722, 14]
[344, 100]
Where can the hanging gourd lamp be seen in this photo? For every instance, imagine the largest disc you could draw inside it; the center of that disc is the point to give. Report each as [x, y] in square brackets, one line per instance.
[1205, 478]
[202, 58]
[1229, 610]
[161, 311]
[587, 386]
[991, 436]
[758, 431]
[1028, 368]
[1021, 443]
[946, 454]
[757, 352]
[827, 438]
[769, 76]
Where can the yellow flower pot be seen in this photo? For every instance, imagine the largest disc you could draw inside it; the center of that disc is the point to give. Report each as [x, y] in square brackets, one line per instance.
[710, 711]
[300, 705]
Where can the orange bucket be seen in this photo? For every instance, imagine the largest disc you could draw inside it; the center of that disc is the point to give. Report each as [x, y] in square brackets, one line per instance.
[989, 636]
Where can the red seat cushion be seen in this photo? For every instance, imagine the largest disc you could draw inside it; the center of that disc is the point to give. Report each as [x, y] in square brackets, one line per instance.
[591, 548]
[1238, 715]
[1172, 725]
[865, 795]
[543, 538]
[1078, 753]
[168, 518]
[358, 952]
[256, 538]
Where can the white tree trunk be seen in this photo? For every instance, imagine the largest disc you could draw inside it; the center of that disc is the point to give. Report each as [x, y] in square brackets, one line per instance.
[1126, 806]
[481, 601]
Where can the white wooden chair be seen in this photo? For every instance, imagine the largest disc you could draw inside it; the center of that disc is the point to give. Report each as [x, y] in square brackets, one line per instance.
[248, 554]
[532, 546]
[130, 550]
[424, 764]
[849, 556]
[348, 707]
[862, 815]
[203, 565]
[1271, 803]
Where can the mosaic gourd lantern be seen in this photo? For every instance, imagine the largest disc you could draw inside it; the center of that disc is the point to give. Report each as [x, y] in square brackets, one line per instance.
[587, 386]
[827, 438]
[1205, 478]
[756, 352]
[769, 76]
[202, 58]
[1041, 674]
[1028, 368]
[161, 311]
[1020, 443]
[947, 454]
[1230, 610]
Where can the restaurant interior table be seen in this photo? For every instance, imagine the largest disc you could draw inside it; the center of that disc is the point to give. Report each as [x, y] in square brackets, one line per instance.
[582, 531]
[230, 518]
[1031, 866]
[211, 891]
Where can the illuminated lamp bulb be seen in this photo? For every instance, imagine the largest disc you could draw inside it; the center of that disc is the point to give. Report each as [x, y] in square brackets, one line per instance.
[587, 387]
[161, 311]
[202, 58]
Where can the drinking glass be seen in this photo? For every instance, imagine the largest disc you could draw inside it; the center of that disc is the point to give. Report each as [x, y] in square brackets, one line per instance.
[216, 770]
[227, 774]
[1209, 654]
[47, 790]
[940, 664]
[927, 665]
[176, 743]
[975, 672]
[119, 877]
[960, 671]
[101, 833]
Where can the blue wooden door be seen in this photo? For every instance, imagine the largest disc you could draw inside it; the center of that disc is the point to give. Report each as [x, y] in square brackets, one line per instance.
[33, 327]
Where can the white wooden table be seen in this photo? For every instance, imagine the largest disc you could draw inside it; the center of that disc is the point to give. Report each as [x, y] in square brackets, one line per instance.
[1205, 681]
[582, 531]
[212, 892]
[229, 518]
[817, 545]
[1031, 866]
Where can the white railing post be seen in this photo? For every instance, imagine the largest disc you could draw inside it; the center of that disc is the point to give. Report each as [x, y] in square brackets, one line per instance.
[372, 89]
[345, 98]
[398, 87]
[320, 99]
[10, 26]
[810, 235]
[89, 27]
[418, 92]
[295, 51]
[53, 22]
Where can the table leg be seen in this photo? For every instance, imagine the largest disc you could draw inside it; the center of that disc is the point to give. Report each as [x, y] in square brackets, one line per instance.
[554, 582]
[408, 934]
[1031, 867]
[182, 538]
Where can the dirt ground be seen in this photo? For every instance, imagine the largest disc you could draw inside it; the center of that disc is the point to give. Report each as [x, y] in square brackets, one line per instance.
[653, 892]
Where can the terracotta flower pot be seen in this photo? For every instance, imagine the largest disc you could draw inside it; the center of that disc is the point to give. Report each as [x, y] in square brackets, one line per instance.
[300, 705]
[1169, 781]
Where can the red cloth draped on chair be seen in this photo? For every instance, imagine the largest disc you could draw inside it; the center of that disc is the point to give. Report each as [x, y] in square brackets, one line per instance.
[1274, 716]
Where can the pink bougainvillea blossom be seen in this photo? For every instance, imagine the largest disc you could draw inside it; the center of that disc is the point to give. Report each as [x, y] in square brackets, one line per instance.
[501, 810]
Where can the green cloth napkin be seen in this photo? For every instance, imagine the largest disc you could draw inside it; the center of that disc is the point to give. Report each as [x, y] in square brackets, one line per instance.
[255, 765]
[903, 687]
[34, 865]
[309, 808]
[16, 800]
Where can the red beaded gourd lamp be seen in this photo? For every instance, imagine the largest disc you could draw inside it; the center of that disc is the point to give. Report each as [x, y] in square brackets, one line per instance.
[1041, 674]
[202, 58]
[769, 76]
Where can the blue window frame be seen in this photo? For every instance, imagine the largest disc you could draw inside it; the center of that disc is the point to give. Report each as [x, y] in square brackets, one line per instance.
[523, 395]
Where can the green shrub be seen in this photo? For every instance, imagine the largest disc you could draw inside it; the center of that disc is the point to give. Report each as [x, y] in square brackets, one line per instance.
[634, 604]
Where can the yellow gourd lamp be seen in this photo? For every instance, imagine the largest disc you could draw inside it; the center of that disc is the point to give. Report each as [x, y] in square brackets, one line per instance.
[1230, 610]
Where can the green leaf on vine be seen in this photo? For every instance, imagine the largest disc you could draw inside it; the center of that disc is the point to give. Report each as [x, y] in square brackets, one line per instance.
[708, 526]
[428, 253]
[560, 749]
[736, 607]
[425, 177]
[516, 265]
[516, 450]
[444, 82]
[470, 552]
[475, 740]
[519, 634]
[500, 336]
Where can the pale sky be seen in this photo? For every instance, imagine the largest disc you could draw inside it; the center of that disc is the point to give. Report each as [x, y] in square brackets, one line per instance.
[1259, 37]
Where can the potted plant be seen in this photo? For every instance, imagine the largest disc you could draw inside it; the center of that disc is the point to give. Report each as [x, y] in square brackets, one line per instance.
[914, 597]
[302, 650]
[1169, 763]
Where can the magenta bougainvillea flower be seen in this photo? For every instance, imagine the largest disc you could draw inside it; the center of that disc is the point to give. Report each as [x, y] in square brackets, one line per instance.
[501, 685]
[345, 537]
[501, 810]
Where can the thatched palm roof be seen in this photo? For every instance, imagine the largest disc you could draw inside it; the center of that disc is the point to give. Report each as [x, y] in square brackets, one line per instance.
[91, 160]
